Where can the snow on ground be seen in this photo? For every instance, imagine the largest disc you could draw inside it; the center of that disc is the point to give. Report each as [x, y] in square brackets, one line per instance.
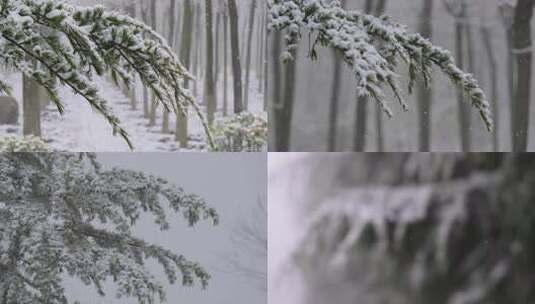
[82, 129]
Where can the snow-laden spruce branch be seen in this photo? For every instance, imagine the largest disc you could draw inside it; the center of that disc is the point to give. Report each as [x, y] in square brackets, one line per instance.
[57, 43]
[372, 47]
[63, 214]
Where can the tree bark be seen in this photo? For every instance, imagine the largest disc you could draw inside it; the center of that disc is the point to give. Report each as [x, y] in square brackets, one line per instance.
[487, 41]
[170, 40]
[522, 44]
[379, 10]
[248, 56]
[153, 102]
[335, 96]
[235, 53]
[361, 113]
[33, 95]
[276, 130]
[225, 64]
[209, 90]
[181, 128]
[425, 94]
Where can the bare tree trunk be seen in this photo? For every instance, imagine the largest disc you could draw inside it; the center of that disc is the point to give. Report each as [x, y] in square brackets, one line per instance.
[217, 47]
[335, 97]
[33, 95]
[249, 55]
[425, 95]
[225, 64]
[284, 111]
[235, 53]
[522, 43]
[379, 10]
[145, 18]
[261, 49]
[209, 90]
[266, 66]
[361, 115]
[465, 119]
[153, 103]
[170, 40]
[196, 50]
[277, 129]
[487, 41]
[181, 128]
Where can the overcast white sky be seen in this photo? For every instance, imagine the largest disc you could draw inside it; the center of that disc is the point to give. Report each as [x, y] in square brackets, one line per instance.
[232, 183]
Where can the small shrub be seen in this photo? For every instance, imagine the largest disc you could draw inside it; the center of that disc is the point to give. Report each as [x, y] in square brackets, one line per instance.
[23, 144]
[241, 132]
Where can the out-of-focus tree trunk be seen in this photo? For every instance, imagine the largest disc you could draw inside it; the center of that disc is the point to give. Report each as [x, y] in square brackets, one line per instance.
[284, 111]
[266, 65]
[225, 63]
[217, 46]
[361, 115]
[181, 128]
[464, 108]
[145, 18]
[235, 53]
[379, 10]
[261, 49]
[276, 130]
[209, 90]
[32, 96]
[153, 103]
[424, 94]
[522, 44]
[248, 56]
[487, 41]
[196, 50]
[335, 97]
[170, 40]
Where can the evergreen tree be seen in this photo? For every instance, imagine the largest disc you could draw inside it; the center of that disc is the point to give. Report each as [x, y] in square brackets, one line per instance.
[372, 47]
[64, 214]
[56, 44]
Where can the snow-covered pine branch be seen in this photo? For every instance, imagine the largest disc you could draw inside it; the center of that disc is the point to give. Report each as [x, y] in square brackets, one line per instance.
[372, 47]
[57, 43]
[63, 213]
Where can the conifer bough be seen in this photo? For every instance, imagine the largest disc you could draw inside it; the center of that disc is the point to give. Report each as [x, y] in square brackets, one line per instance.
[372, 47]
[63, 214]
[56, 43]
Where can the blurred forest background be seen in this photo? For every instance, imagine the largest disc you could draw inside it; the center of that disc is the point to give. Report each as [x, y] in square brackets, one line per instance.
[401, 228]
[479, 33]
[220, 42]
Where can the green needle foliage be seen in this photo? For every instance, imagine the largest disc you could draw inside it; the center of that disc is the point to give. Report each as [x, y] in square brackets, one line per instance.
[60, 44]
[63, 214]
[372, 48]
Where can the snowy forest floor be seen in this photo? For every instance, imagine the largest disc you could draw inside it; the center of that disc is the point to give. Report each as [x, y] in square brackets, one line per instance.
[80, 128]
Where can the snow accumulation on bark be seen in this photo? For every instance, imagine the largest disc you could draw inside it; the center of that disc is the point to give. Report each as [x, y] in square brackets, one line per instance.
[372, 47]
[61, 44]
[62, 213]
